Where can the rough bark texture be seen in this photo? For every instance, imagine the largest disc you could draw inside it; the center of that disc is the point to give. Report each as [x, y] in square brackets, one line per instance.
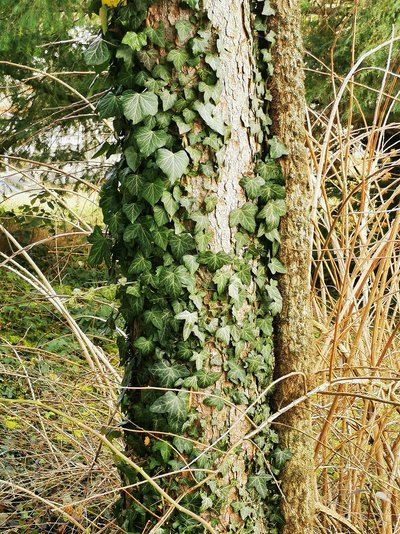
[293, 347]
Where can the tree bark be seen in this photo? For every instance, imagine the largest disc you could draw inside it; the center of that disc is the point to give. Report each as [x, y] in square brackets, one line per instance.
[293, 346]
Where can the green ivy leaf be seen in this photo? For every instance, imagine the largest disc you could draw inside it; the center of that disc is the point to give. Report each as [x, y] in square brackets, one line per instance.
[184, 29]
[156, 36]
[161, 237]
[206, 379]
[148, 57]
[101, 247]
[168, 100]
[152, 191]
[175, 405]
[221, 278]
[190, 318]
[214, 403]
[245, 216]
[171, 282]
[160, 215]
[211, 116]
[134, 184]
[108, 106]
[132, 211]
[137, 106]
[181, 244]
[135, 41]
[170, 205]
[236, 373]
[97, 53]
[275, 266]
[260, 483]
[224, 334]
[178, 58]
[165, 450]
[144, 346]
[174, 165]
[272, 212]
[138, 231]
[139, 265]
[277, 149]
[167, 374]
[190, 263]
[214, 260]
[150, 140]
[280, 457]
[133, 159]
[252, 186]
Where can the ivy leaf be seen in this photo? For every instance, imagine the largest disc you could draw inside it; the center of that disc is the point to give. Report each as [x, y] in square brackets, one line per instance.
[144, 346]
[161, 237]
[134, 184]
[224, 334]
[214, 260]
[275, 296]
[206, 379]
[174, 165]
[275, 266]
[156, 36]
[277, 149]
[272, 212]
[170, 205]
[236, 373]
[181, 244]
[148, 57]
[280, 457]
[252, 186]
[167, 374]
[139, 265]
[137, 231]
[178, 58]
[214, 402]
[168, 100]
[109, 106]
[171, 282]
[267, 9]
[138, 106]
[208, 113]
[97, 53]
[160, 215]
[270, 170]
[221, 278]
[171, 403]
[184, 29]
[190, 318]
[101, 247]
[165, 450]
[132, 211]
[150, 140]
[133, 159]
[190, 263]
[260, 483]
[245, 216]
[152, 191]
[135, 41]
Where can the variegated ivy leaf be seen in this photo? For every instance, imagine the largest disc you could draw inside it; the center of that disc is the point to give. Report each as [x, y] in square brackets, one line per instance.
[245, 216]
[175, 405]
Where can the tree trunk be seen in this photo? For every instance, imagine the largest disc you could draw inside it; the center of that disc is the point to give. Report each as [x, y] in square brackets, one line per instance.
[293, 347]
[196, 240]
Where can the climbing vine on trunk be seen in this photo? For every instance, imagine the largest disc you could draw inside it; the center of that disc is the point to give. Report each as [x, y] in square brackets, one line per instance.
[192, 212]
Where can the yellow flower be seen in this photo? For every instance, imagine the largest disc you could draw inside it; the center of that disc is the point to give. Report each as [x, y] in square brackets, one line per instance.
[113, 3]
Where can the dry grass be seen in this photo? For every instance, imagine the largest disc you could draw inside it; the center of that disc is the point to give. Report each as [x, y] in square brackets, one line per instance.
[356, 306]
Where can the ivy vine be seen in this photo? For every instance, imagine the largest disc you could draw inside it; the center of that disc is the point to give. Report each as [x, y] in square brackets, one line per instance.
[199, 321]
